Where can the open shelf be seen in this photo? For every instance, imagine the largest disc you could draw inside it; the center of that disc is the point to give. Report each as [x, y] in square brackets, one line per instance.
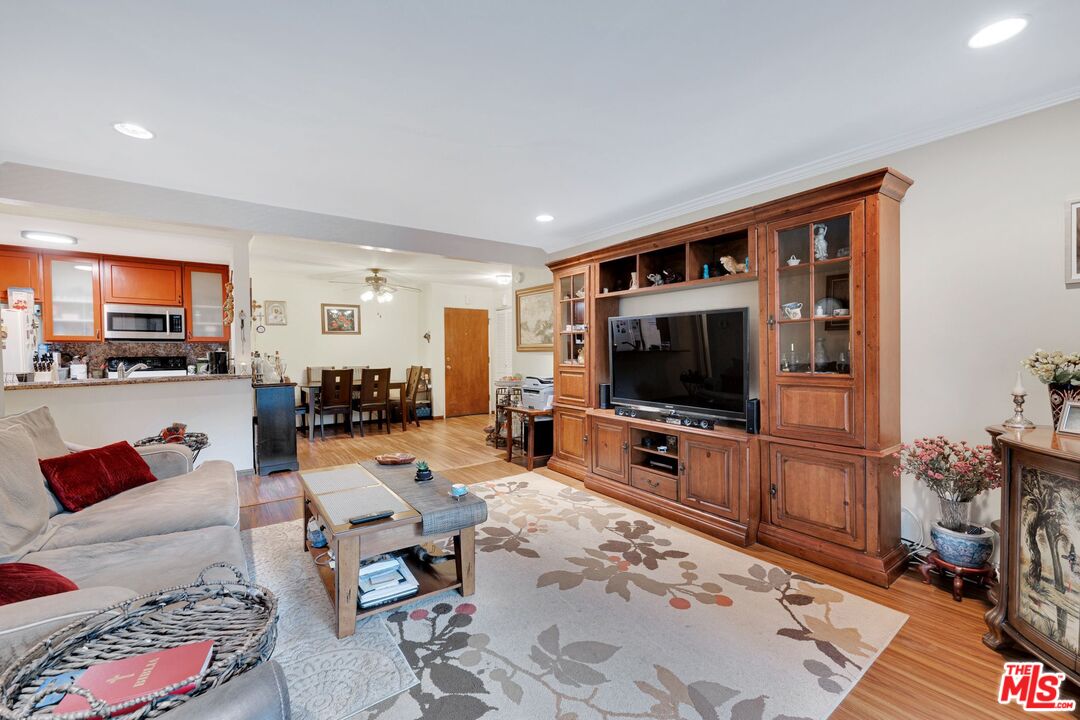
[671, 260]
[615, 274]
[708, 252]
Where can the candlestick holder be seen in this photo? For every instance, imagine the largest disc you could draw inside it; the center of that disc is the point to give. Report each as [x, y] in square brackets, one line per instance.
[1018, 420]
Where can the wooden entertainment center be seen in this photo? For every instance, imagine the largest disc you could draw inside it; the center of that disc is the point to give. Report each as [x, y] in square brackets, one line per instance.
[817, 480]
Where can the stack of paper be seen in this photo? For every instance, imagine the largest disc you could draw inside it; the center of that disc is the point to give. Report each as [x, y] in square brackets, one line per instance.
[386, 581]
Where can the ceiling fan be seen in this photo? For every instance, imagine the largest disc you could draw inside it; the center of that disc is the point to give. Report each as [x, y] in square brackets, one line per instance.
[377, 287]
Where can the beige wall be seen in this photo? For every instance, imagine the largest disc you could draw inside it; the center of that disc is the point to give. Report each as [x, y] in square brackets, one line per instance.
[982, 267]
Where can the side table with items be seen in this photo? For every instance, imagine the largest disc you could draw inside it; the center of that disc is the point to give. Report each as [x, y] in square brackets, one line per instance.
[536, 435]
[194, 441]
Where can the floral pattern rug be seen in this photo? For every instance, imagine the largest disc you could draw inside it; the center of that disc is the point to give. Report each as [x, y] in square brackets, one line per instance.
[586, 610]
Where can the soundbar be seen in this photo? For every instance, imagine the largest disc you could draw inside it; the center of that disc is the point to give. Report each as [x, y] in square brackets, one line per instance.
[703, 422]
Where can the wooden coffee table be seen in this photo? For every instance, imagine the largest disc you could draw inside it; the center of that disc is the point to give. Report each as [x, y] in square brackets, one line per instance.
[351, 544]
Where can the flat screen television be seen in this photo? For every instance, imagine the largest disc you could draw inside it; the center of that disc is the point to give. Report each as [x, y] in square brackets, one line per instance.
[695, 362]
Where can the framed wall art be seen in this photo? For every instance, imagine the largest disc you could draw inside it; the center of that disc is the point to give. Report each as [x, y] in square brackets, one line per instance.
[340, 319]
[276, 312]
[1072, 244]
[535, 314]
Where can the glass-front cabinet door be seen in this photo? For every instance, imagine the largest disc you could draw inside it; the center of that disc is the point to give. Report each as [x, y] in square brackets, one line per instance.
[73, 295]
[204, 295]
[572, 325]
[815, 320]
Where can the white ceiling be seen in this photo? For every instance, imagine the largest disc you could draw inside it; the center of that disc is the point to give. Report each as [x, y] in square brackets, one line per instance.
[341, 262]
[471, 117]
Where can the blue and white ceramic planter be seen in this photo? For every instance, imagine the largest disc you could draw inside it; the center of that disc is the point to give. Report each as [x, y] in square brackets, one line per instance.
[961, 548]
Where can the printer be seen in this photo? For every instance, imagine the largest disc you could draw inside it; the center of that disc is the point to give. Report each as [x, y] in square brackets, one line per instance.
[538, 393]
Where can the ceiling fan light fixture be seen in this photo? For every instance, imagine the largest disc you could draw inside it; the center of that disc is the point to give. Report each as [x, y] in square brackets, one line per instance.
[367, 295]
[503, 278]
[384, 297]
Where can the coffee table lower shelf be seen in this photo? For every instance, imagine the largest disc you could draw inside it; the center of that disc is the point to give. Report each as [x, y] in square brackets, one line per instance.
[433, 579]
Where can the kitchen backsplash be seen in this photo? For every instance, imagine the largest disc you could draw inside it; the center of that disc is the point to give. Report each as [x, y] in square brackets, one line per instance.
[99, 352]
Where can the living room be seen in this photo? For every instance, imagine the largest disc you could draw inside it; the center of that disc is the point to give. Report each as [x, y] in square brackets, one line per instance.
[795, 458]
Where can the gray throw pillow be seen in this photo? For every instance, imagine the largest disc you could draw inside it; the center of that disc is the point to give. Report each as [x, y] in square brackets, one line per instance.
[24, 501]
[42, 430]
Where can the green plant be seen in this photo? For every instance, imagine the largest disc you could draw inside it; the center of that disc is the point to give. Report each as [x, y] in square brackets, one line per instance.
[421, 466]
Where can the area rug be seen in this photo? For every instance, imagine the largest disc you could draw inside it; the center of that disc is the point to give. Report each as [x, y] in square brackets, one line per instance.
[585, 610]
[328, 678]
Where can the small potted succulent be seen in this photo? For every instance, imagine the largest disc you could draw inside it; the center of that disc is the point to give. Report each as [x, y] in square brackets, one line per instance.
[957, 473]
[423, 472]
[1060, 372]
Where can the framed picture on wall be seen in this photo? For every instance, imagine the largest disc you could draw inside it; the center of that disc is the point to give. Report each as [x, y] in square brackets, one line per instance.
[276, 312]
[535, 314]
[1072, 245]
[340, 319]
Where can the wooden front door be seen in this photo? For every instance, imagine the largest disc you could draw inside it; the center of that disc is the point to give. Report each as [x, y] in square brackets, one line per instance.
[466, 349]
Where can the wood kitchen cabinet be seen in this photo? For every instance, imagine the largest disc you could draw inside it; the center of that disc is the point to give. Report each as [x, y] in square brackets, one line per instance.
[141, 282]
[71, 296]
[609, 448]
[204, 302]
[19, 268]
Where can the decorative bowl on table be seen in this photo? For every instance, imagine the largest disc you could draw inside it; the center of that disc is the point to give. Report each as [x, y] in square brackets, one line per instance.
[398, 458]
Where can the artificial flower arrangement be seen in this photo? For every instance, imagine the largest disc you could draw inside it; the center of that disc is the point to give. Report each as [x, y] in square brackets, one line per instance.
[1054, 368]
[956, 471]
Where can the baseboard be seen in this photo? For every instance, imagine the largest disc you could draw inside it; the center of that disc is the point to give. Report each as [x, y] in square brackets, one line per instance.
[880, 570]
[566, 468]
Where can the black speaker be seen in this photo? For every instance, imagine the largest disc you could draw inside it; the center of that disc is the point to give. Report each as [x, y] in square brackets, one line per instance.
[753, 416]
[605, 396]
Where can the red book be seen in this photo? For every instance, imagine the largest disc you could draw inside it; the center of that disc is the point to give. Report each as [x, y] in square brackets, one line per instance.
[119, 681]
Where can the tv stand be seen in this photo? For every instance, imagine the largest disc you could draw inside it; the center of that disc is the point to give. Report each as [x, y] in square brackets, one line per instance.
[817, 482]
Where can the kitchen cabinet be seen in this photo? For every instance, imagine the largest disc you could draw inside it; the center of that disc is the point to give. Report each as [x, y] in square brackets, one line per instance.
[71, 297]
[142, 282]
[204, 302]
[19, 268]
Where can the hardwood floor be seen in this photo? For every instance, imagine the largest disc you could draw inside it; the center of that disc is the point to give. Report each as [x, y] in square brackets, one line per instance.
[936, 666]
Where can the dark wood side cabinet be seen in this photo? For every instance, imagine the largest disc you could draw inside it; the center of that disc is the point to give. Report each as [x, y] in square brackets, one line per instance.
[1037, 602]
[817, 480]
[274, 428]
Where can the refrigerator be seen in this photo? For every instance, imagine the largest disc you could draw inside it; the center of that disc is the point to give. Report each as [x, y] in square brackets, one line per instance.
[19, 343]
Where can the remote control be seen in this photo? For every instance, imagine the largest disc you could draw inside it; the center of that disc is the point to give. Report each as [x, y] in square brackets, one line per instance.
[377, 515]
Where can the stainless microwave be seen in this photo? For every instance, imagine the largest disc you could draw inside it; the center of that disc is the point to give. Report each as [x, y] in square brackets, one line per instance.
[143, 322]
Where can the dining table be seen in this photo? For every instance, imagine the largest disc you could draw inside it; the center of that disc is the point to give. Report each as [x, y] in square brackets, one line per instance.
[309, 393]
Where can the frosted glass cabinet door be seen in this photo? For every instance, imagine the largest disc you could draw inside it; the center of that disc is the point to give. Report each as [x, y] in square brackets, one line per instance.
[73, 298]
[204, 291]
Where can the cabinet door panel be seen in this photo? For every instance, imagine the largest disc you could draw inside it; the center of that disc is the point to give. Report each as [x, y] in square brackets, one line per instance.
[204, 300]
[143, 283]
[609, 443]
[72, 298]
[818, 493]
[819, 412]
[570, 387]
[570, 435]
[712, 479]
[19, 268]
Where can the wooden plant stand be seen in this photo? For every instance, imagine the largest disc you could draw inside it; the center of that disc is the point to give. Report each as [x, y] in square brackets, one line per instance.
[934, 562]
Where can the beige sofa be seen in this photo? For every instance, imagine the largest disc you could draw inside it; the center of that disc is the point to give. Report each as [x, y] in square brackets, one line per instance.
[151, 537]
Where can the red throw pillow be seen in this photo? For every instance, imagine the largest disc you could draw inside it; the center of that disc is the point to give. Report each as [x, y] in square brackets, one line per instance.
[23, 581]
[81, 479]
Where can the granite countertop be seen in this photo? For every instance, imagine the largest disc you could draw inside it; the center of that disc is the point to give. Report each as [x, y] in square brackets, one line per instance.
[113, 381]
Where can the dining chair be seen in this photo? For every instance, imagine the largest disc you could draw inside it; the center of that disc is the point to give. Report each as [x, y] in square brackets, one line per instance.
[335, 398]
[412, 385]
[374, 396]
[423, 393]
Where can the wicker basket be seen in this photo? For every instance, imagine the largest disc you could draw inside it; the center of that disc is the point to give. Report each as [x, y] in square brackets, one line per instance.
[241, 619]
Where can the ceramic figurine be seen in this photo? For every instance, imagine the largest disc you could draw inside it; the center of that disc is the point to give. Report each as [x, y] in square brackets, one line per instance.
[821, 245]
[633, 281]
[793, 310]
[793, 260]
[705, 271]
[580, 293]
[655, 278]
[731, 266]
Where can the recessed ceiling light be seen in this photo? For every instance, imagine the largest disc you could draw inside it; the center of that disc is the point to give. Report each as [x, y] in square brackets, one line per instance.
[997, 32]
[545, 218]
[503, 278]
[49, 237]
[133, 130]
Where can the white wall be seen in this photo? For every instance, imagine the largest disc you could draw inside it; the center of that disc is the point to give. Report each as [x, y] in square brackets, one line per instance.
[389, 333]
[539, 364]
[982, 267]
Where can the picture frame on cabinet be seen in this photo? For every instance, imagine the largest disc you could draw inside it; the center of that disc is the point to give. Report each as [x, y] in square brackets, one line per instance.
[1072, 244]
[1070, 418]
